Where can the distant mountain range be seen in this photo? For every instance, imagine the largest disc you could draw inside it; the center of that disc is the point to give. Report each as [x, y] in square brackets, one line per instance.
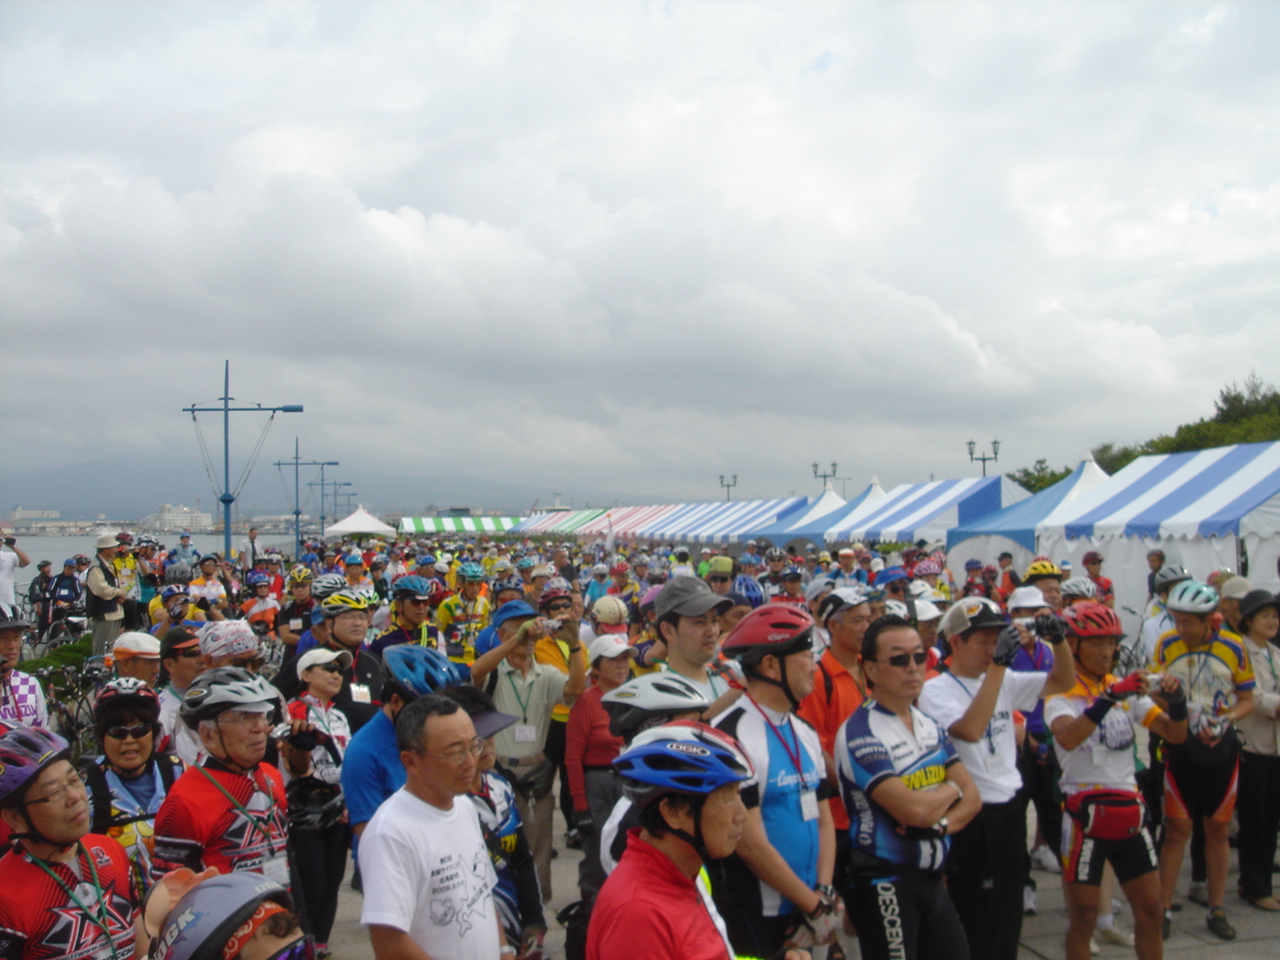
[129, 490]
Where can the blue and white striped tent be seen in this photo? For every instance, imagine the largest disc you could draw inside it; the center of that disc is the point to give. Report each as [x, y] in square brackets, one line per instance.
[1014, 529]
[719, 521]
[1207, 510]
[926, 511]
[815, 519]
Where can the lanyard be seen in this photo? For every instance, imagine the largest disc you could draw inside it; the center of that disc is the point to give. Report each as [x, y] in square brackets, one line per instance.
[260, 823]
[794, 757]
[524, 704]
[986, 734]
[98, 919]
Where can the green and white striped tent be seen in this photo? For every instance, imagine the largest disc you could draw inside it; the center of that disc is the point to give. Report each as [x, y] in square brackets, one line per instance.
[457, 524]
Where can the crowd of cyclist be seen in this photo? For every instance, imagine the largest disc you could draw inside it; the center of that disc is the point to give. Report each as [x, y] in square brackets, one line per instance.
[759, 756]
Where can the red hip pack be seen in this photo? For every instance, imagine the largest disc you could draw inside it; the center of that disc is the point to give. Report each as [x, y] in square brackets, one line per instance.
[1107, 814]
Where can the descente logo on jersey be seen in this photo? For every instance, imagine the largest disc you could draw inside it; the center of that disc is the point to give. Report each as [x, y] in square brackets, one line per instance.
[692, 749]
[924, 777]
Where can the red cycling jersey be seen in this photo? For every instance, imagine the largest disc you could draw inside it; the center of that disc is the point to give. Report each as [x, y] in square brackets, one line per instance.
[648, 908]
[44, 921]
[215, 818]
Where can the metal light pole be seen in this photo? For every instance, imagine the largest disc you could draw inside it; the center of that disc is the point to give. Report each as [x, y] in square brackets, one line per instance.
[335, 484]
[984, 459]
[728, 485]
[228, 498]
[824, 477]
[297, 495]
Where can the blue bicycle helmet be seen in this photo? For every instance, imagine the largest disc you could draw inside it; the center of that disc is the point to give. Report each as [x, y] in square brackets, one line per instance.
[681, 757]
[255, 577]
[750, 588]
[410, 585]
[201, 923]
[471, 573]
[507, 583]
[422, 670]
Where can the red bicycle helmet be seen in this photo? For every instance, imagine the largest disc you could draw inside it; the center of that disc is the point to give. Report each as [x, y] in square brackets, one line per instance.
[128, 692]
[1091, 619]
[772, 629]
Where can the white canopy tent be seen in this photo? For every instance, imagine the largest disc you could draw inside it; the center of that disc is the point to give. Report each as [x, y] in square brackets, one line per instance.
[361, 521]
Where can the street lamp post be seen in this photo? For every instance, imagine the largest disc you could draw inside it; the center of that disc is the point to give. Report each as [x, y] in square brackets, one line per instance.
[983, 458]
[323, 485]
[728, 485]
[823, 476]
[297, 497]
[227, 498]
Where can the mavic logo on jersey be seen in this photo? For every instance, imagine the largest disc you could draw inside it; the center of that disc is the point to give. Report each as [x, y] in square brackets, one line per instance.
[925, 777]
[692, 749]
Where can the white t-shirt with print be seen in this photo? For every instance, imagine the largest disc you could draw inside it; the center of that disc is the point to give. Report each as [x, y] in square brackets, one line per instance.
[993, 760]
[427, 872]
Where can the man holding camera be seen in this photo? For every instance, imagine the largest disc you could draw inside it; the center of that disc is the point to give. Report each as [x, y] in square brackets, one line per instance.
[974, 703]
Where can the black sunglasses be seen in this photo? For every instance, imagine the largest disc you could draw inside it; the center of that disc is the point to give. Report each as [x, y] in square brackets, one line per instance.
[333, 666]
[137, 731]
[561, 605]
[717, 579]
[905, 659]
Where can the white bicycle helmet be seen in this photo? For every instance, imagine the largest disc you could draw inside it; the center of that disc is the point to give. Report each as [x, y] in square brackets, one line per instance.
[1082, 587]
[224, 688]
[326, 584]
[1193, 596]
[650, 699]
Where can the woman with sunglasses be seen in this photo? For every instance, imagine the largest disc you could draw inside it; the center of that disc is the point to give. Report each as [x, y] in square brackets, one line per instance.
[131, 778]
[319, 832]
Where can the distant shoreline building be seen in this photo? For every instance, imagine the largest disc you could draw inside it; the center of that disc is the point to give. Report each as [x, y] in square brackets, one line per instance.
[170, 519]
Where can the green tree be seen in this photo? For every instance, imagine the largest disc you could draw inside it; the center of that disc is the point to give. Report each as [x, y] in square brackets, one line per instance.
[1248, 413]
[1038, 477]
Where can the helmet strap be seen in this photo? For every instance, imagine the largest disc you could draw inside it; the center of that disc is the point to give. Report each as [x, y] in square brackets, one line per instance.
[695, 840]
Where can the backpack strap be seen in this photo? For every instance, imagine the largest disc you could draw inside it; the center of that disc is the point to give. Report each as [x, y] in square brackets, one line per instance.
[100, 794]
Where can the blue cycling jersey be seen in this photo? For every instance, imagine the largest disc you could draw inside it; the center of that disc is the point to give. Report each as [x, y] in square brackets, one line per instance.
[789, 782]
[876, 745]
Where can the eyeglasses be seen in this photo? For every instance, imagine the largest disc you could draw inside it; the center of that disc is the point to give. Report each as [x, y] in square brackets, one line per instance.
[191, 653]
[241, 718]
[137, 731]
[459, 755]
[77, 781]
[332, 666]
[919, 658]
[251, 663]
[560, 605]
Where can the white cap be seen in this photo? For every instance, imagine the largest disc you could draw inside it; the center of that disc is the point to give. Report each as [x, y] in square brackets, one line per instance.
[609, 645]
[135, 644]
[319, 655]
[1026, 598]
[926, 611]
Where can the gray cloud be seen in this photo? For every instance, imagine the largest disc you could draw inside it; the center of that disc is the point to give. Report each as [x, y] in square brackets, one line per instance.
[637, 245]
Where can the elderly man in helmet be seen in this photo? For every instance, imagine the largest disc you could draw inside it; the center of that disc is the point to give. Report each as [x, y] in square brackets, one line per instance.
[228, 811]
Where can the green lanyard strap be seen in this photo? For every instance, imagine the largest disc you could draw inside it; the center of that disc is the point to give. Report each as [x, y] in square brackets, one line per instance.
[524, 705]
[98, 919]
[260, 823]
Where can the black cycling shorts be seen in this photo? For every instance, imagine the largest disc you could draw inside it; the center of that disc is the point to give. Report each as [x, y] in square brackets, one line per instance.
[905, 918]
[1194, 791]
[1083, 858]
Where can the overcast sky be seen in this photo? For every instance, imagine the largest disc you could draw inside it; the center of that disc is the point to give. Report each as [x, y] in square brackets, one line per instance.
[635, 245]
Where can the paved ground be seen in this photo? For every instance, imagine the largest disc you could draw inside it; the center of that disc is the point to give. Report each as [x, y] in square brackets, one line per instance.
[1258, 933]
